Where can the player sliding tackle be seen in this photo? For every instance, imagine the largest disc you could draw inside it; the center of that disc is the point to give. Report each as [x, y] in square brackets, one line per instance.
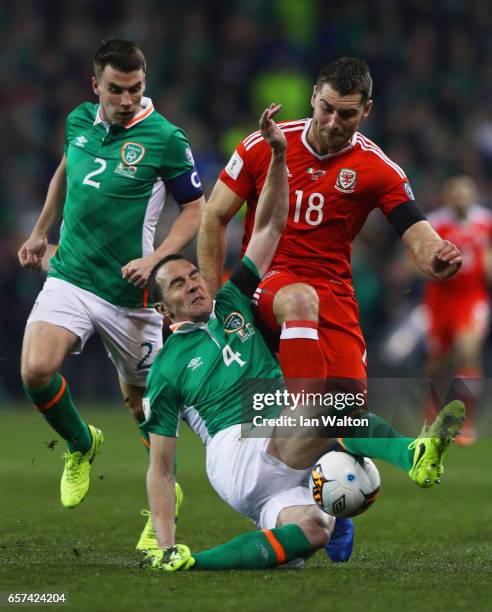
[209, 361]
[199, 374]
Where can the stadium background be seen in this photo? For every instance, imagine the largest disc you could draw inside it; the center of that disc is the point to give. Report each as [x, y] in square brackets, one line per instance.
[212, 66]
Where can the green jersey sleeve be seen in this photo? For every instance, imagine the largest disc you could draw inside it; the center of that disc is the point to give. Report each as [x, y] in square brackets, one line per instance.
[161, 403]
[177, 156]
[68, 132]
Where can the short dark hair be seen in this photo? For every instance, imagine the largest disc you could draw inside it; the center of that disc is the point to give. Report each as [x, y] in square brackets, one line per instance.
[153, 287]
[347, 75]
[123, 55]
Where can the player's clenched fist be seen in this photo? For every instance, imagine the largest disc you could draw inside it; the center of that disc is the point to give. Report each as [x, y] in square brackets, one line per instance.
[137, 271]
[270, 130]
[446, 260]
[31, 253]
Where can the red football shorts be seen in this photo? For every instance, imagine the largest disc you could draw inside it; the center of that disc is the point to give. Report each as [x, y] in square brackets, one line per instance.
[448, 320]
[339, 332]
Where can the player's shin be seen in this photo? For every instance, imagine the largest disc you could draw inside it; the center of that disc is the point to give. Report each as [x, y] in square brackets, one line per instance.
[378, 440]
[256, 550]
[54, 402]
[301, 358]
[300, 353]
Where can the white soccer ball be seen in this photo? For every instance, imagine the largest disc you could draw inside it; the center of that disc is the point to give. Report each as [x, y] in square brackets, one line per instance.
[343, 484]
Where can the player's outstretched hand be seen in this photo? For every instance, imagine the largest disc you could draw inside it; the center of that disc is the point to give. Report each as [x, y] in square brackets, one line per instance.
[270, 130]
[446, 260]
[137, 271]
[170, 559]
[31, 253]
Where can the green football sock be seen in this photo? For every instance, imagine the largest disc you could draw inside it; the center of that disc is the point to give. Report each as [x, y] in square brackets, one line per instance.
[55, 403]
[256, 550]
[384, 442]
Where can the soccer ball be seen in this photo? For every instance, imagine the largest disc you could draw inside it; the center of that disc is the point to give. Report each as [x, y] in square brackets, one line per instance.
[344, 485]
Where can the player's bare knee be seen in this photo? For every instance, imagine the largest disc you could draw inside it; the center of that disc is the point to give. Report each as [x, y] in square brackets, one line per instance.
[317, 533]
[36, 372]
[315, 524]
[132, 396]
[134, 405]
[296, 302]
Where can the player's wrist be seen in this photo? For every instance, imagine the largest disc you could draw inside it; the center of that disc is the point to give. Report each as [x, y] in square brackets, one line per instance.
[279, 154]
[37, 234]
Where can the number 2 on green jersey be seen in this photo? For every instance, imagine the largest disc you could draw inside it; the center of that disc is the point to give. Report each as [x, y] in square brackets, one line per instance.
[88, 178]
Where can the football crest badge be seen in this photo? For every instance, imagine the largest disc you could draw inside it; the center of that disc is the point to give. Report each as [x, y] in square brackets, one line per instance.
[346, 180]
[233, 322]
[132, 153]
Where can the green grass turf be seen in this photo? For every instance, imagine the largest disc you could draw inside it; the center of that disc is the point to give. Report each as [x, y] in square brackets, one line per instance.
[415, 549]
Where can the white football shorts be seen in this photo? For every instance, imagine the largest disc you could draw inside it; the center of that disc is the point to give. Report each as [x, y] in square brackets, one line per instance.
[132, 336]
[251, 481]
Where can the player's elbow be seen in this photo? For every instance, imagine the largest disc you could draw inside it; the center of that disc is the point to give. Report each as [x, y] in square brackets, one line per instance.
[194, 211]
[212, 222]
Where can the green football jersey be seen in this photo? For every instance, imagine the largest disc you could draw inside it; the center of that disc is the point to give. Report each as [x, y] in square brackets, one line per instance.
[204, 366]
[115, 194]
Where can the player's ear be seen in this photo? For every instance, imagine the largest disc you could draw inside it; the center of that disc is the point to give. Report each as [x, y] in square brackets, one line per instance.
[163, 310]
[313, 97]
[167, 314]
[95, 85]
[159, 307]
[367, 109]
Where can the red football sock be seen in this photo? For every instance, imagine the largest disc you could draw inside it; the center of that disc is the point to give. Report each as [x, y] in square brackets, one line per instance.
[300, 352]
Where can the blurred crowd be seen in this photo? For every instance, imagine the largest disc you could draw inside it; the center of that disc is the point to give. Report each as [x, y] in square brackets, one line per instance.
[212, 66]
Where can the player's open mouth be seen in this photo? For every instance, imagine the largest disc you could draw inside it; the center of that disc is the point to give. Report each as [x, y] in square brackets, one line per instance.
[196, 300]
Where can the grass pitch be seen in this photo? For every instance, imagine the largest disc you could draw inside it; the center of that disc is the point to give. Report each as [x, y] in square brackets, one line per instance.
[415, 549]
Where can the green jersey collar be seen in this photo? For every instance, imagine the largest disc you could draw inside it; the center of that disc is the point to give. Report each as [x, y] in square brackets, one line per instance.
[146, 110]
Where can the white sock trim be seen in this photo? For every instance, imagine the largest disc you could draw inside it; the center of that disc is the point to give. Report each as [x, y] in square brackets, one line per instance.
[290, 333]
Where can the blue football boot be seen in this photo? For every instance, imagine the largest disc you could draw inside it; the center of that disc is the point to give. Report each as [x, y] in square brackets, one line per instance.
[339, 548]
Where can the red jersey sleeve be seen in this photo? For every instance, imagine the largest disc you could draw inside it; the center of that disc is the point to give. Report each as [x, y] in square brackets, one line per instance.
[390, 183]
[395, 191]
[238, 174]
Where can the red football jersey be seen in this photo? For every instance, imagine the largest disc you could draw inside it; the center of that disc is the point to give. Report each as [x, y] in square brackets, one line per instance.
[472, 236]
[330, 197]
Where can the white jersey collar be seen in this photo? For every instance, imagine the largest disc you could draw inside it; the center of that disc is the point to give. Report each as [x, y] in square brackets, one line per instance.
[146, 110]
[328, 155]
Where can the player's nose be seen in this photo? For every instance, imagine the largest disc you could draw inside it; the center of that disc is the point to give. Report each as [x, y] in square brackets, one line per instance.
[332, 120]
[125, 99]
[191, 285]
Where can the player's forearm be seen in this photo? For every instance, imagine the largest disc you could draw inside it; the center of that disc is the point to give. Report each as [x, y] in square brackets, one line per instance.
[271, 215]
[162, 501]
[422, 240]
[273, 204]
[183, 230]
[211, 248]
[53, 206]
